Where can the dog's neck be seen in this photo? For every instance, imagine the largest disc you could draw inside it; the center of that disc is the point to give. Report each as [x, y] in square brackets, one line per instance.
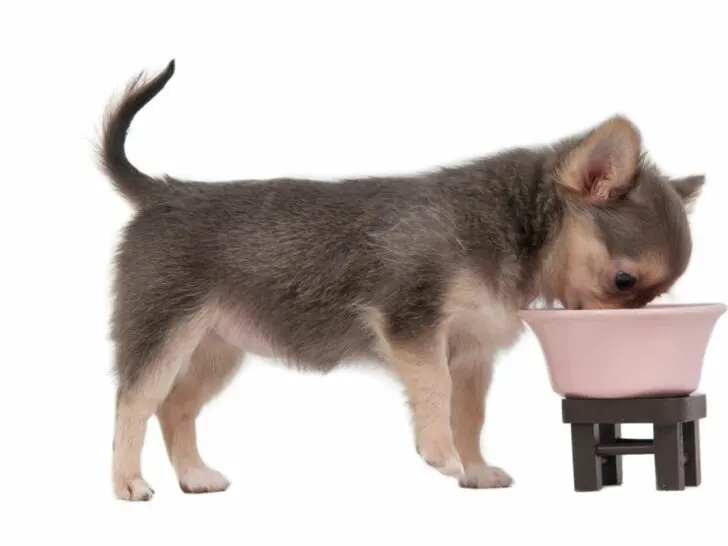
[529, 213]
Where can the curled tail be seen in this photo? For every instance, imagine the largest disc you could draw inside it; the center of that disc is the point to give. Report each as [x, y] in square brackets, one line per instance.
[137, 187]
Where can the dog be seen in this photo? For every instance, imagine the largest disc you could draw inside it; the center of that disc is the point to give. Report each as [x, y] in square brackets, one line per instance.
[424, 274]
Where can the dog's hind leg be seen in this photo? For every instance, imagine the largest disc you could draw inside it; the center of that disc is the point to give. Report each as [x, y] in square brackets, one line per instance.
[150, 371]
[213, 364]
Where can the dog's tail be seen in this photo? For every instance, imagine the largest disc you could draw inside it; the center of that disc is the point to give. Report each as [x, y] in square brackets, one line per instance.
[141, 189]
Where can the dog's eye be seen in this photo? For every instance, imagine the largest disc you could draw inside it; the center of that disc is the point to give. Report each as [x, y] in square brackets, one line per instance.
[624, 281]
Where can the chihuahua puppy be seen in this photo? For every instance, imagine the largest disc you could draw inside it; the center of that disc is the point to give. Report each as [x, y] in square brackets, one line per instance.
[424, 274]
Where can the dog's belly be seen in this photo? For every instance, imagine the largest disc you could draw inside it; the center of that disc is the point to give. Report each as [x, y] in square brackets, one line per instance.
[240, 333]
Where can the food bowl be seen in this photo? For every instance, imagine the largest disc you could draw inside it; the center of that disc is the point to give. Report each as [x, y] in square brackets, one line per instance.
[625, 353]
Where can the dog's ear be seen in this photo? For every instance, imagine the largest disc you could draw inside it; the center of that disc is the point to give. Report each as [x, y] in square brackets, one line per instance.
[603, 165]
[689, 188]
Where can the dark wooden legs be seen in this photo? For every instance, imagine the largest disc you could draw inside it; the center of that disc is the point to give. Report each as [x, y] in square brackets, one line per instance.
[587, 466]
[691, 445]
[677, 456]
[669, 457]
[592, 471]
[611, 464]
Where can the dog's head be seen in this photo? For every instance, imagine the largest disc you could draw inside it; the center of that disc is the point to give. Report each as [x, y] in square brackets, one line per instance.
[625, 237]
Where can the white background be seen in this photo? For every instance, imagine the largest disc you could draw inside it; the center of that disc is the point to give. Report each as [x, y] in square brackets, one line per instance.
[266, 89]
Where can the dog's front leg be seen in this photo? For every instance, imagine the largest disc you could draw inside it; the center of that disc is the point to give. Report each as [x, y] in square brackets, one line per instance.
[470, 383]
[424, 372]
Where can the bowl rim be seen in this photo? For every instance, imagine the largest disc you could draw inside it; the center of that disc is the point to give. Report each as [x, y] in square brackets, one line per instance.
[663, 309]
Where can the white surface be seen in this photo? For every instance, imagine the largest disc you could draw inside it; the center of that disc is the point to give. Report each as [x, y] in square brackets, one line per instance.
[327, 90]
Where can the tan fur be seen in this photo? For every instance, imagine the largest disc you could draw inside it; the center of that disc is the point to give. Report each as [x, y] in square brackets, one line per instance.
[212, 366]
[447, 375]
[613, 151]
[479, 323]
[470, 385]
[573, 270]
[579, 268]
[135, 407]
[651, 268]
[477, 316]
[238, 330]
[424, 373]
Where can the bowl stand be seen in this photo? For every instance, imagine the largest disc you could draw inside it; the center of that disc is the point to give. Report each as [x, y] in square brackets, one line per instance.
[597, 446]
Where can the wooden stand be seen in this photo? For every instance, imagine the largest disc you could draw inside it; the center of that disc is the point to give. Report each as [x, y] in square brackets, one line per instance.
[597, 445]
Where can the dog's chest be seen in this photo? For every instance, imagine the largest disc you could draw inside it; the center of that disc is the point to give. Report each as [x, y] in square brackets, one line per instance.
[484, 321]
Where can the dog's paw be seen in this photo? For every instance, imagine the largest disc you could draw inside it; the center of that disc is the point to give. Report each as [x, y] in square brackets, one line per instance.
[485, 477]
[445, 461]
[133, 489]
[203, 480]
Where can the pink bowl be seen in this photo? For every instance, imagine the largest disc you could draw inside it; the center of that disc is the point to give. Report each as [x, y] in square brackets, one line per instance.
[625, 353]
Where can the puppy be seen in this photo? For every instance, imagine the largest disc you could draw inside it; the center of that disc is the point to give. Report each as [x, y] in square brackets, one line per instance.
[424, 274]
